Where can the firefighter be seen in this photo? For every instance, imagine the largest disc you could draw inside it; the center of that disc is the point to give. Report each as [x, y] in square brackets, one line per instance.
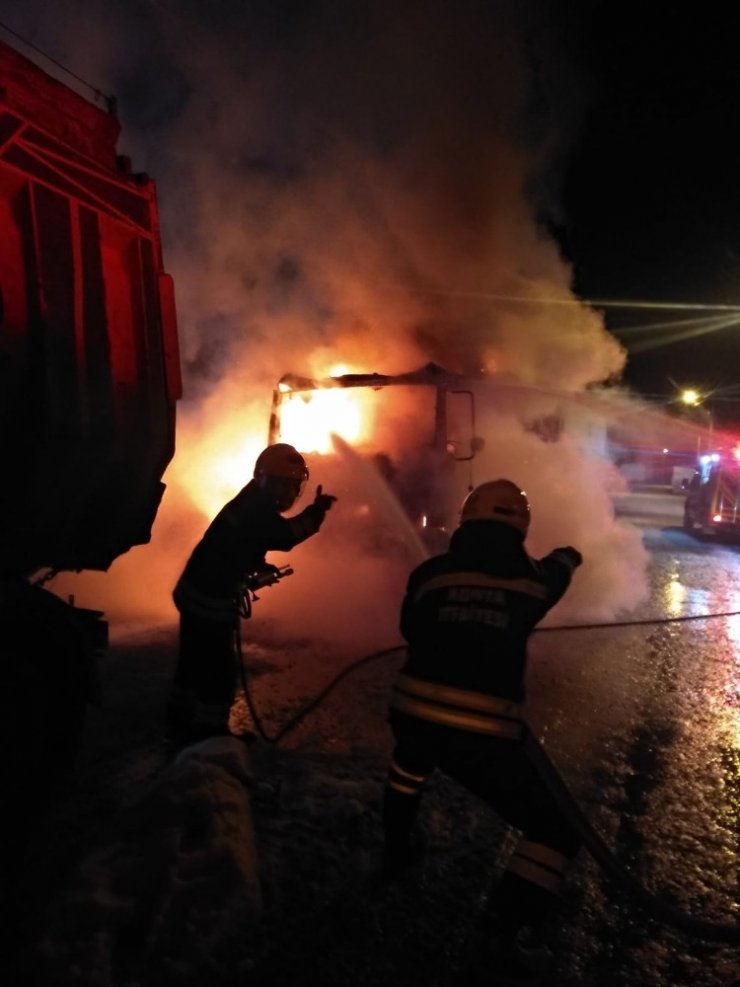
[456, 704]
[208, 594]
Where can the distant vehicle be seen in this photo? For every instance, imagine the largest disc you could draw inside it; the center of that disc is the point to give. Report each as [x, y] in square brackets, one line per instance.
[712, 506]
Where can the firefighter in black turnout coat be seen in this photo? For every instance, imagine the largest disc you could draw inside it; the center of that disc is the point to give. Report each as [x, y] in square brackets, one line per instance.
[209, 592]
[457, 702]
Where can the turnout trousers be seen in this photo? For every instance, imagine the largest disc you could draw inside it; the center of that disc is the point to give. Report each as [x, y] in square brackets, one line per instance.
[204, 684]
[499, 772]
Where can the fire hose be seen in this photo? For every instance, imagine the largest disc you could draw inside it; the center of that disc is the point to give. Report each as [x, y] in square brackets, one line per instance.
[653, 904]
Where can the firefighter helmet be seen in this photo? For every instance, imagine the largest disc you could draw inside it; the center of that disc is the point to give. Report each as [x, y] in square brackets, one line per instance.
[281, 472]
[281, 460]
[497, 500]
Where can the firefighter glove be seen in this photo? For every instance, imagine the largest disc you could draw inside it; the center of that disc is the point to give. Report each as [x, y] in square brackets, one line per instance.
[321, 504]
[570, 555]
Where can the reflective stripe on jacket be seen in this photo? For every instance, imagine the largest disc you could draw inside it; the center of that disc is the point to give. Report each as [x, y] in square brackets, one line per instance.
[467, 615]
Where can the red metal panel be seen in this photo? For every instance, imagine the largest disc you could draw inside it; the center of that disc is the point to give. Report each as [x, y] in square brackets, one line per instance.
[89, 370]
[39, 99]
[170, 337]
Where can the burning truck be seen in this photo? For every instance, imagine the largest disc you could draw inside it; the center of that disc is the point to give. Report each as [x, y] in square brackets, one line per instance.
[430, 434]
[89, 380]
[417, 429]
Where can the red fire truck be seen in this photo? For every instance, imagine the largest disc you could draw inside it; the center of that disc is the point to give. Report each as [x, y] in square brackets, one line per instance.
[712, 507]
[89, 380]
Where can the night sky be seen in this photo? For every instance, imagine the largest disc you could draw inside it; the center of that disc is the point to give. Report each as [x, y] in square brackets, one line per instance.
[632, 109]
[652, 193]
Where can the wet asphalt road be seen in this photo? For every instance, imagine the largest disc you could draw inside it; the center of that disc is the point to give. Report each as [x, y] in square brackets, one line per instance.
[646, 730]
[642, 720]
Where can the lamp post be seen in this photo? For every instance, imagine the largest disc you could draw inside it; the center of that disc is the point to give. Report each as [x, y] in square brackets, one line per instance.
[694, 399]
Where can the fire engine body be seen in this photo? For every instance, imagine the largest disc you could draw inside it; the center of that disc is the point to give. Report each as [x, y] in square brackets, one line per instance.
[712, 505]
[89, 380]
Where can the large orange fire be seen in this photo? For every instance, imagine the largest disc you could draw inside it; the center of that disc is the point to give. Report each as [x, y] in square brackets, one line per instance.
[211, 470]
[309, 419]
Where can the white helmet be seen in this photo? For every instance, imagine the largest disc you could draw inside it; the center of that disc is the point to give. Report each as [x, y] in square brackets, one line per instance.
[497, 500]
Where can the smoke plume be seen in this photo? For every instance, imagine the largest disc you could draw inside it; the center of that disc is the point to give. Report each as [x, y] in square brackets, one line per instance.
[369, 184]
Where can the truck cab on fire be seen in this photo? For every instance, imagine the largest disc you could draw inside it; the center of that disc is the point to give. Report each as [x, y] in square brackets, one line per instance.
[425, 450]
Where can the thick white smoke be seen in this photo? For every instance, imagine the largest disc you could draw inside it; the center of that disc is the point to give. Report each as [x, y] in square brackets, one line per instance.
[361, 184]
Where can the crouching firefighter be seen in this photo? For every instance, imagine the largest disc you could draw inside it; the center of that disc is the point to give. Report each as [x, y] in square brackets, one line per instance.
[209, 593]
[456, 705]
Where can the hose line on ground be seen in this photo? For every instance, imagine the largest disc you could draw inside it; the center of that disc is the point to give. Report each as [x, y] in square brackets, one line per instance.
[639, 623]
[294, 720]
[653, 904]
[317, 700]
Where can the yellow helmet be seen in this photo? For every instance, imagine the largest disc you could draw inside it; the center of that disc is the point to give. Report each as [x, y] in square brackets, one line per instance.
[497, 500]
[283, 460]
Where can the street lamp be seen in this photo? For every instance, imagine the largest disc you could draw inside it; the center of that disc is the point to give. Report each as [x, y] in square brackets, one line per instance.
[694, 399]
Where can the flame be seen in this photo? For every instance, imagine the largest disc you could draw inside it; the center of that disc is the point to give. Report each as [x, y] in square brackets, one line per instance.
[212, 469]
[308, 419]
[215, 468]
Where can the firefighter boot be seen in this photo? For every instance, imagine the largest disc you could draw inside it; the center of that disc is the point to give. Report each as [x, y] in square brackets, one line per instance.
[207, 721]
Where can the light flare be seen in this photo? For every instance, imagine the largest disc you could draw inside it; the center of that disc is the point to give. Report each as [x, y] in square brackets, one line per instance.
[675, 593]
